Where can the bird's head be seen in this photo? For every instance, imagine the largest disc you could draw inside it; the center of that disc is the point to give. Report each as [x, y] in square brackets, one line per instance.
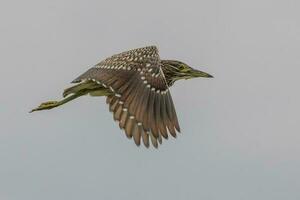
[176, 70]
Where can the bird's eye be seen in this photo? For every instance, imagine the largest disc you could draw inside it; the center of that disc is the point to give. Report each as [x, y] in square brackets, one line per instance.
[182, 68]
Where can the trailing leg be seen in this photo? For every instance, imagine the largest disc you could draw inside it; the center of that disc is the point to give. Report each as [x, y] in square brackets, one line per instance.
[52, 104]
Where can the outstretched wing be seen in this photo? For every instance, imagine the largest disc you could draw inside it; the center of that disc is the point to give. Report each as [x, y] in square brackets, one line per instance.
[141, 101]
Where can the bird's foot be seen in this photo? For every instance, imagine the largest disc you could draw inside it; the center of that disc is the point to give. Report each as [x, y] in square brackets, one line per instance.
[46, 106]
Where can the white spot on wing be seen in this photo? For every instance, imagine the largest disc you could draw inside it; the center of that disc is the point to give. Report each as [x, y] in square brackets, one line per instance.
[112, 89]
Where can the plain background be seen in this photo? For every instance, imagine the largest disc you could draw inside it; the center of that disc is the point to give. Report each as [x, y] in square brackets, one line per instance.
[241, 136]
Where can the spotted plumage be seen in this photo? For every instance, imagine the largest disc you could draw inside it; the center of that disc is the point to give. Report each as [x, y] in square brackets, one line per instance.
[136, 84]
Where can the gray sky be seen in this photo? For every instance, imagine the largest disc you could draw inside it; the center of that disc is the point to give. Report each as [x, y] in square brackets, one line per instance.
[240, 131]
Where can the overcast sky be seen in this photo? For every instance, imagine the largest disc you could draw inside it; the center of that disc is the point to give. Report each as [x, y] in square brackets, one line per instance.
[240, 131]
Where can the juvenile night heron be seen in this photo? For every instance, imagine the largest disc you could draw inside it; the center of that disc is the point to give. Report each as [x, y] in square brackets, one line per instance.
[136, 85]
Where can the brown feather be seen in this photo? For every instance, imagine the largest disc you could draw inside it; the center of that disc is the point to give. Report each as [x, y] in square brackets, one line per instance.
[153, 140]
[159, 120]
[137, 136]
[130, 123]
[141, 115]
[159, 139]
[108, 99]
[149, 120]
[168, 119]
[123, 119]
[172, 110]
[118, 112]
[113, 104]
[145, 137]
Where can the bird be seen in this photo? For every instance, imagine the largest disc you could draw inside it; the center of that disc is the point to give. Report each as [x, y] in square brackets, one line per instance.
[136, 86]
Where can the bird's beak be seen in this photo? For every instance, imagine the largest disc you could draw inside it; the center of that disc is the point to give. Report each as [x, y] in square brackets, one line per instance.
[196, 73]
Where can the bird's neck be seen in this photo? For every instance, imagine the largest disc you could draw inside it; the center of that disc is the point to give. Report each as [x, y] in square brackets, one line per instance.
[168, 71]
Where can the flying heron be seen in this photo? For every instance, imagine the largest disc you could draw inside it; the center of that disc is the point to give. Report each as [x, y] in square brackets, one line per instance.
[136, 85]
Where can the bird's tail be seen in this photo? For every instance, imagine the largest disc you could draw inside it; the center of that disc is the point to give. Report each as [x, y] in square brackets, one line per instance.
[72, 93]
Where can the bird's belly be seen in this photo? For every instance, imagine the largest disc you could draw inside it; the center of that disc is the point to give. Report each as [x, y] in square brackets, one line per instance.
[100, 92]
